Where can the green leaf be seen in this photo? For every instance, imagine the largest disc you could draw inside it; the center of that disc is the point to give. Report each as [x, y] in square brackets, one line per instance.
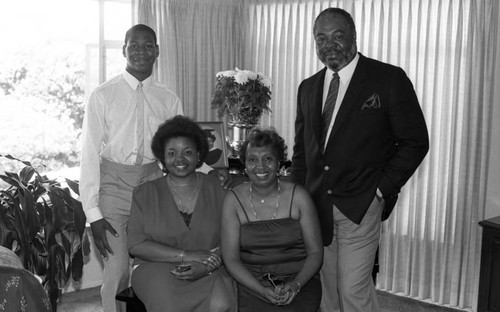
[73, 186]
[77, 265]
[8, 156]
[67, 240]
[56, 265]
[26, 174]
[53, 292]
[61, 215]
[10, 180]
[39, 256]
[79, 217]
[49, 226]
[22, 233]
[6, 228]
[86, 244]
[39, 187]
[32, 225]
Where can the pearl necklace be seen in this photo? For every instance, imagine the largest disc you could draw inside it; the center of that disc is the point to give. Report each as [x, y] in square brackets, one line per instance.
[183, 206]
[275, 209]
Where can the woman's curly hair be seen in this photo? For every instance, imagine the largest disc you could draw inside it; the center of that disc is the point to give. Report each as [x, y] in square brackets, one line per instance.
[179, 126]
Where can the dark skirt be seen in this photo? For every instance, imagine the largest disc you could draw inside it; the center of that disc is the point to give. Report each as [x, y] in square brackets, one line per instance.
[307, 300]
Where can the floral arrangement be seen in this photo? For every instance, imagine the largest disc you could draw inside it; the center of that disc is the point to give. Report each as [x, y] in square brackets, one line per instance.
[243, 95]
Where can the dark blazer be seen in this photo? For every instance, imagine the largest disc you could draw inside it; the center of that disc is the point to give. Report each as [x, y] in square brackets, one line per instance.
[379, 138]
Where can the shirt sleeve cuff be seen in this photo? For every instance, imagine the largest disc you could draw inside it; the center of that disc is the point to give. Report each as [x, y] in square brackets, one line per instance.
[93, 214]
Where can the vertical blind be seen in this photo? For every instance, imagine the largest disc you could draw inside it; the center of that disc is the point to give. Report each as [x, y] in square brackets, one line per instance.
[430, 246]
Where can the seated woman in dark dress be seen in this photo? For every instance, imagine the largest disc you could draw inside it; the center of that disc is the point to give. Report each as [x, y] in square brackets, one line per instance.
[271, 242]
[174, 228]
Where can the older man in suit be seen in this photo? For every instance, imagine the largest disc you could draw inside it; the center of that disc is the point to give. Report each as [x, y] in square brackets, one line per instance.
[359, 136]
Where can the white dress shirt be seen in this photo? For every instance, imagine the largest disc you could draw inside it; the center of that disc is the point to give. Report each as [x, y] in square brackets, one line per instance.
[109, 129]
[345, 75]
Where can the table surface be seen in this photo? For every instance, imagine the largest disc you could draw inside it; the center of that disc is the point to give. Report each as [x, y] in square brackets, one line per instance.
[491, 223]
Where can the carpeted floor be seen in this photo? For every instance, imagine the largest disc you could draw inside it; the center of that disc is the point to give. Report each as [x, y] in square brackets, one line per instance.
[88, 300]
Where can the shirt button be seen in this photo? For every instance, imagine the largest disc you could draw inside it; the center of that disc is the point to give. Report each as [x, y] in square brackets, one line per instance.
[327, 168]
[329, 192]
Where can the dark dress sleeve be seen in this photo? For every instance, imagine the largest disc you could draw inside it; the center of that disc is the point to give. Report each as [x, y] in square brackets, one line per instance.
[135, 227]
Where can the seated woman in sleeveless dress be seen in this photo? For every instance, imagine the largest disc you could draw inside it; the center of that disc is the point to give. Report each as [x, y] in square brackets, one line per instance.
[271, 242]
[174, 228]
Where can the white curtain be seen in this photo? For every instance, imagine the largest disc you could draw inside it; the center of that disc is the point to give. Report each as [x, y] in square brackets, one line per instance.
[197, 39]
[430, 247]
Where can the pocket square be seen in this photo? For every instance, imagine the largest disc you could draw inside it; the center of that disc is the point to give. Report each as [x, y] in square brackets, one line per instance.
[373, 102]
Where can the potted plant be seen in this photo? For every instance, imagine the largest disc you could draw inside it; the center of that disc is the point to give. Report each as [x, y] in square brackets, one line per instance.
[44, 225]
[243, 95]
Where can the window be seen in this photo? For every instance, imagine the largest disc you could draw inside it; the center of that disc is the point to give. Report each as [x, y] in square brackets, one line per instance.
[49, 65]
[104, 56]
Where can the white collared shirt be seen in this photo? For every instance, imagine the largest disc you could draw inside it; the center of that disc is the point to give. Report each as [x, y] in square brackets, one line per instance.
[345, 75]
[109, 129]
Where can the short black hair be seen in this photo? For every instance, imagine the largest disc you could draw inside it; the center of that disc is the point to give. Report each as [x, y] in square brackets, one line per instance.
[179, 126]
[140, 27]
[260, 138]
[338, 11]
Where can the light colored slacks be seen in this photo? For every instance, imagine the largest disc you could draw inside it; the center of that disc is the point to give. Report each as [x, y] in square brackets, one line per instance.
[346, 275]
[115, 198]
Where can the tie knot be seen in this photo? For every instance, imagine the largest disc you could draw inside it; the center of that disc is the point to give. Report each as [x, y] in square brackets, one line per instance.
[335, 76]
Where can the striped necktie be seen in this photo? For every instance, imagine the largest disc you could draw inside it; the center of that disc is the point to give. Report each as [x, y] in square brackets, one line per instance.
[326, 116]
[140, 125]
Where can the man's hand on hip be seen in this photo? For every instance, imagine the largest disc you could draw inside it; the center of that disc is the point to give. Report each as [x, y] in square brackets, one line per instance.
[99, 229]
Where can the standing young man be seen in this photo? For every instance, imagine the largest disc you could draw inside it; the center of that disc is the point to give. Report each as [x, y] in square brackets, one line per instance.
[359, 136]
[121, 117]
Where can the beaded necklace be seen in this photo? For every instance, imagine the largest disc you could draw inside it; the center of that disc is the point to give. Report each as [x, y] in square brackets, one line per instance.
[275, 209]
[184, 206]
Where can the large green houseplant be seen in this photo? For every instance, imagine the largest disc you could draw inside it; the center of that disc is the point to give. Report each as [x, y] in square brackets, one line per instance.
[44, 225]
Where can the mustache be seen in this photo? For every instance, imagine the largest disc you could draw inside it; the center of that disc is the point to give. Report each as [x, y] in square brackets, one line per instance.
[334, 50]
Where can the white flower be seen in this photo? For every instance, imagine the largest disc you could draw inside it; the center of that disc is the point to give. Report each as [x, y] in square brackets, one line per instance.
[265, 80]
[250, 74]
[227, 73]
[241, 77]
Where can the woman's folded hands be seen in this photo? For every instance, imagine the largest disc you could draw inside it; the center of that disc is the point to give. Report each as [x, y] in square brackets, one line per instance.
[202, 263]
[210, 258]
